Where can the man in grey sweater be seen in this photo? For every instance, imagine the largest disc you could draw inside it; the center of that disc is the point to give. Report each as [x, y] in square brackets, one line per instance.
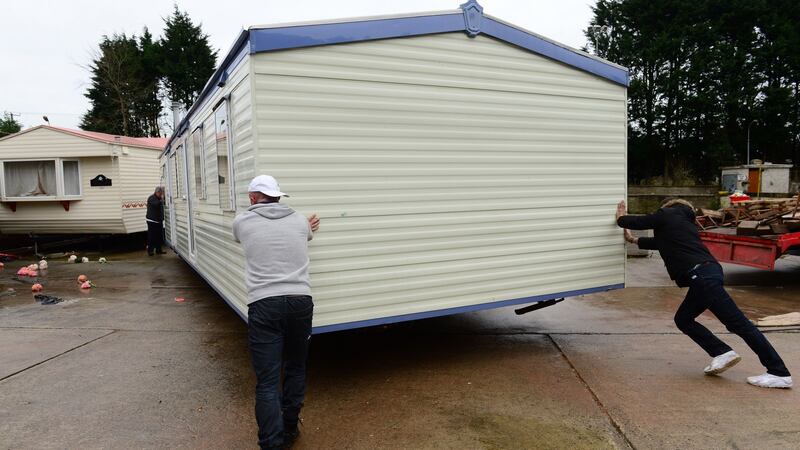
[275, 241]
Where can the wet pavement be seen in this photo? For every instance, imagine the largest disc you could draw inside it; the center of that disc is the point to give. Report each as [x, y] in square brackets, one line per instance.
[126, 366]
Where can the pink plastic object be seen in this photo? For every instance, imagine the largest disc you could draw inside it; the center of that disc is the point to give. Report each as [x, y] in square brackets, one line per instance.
[86, 285]
[36, 288]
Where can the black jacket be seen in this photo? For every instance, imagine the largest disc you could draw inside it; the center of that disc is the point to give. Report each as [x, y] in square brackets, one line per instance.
[155, 209]
[675, 237]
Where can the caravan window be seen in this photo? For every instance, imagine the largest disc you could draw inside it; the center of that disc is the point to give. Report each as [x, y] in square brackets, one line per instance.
[199, 158]
[224, 161]
[41, 179]
[180, 185]
[72, 178]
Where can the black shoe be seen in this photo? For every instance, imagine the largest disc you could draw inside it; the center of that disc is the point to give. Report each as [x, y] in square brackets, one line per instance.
[290, 435]
[149, 253]
[161, 253]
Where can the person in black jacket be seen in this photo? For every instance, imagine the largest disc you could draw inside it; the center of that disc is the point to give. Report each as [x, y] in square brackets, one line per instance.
[690, 264]
[155, 222]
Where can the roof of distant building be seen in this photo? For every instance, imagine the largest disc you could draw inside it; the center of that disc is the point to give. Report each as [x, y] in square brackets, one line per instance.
[156, 143]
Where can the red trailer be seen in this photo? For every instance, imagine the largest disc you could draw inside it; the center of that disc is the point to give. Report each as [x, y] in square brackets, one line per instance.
[754, 251]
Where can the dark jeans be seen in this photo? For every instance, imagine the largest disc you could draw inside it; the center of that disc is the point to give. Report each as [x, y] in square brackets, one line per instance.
[279, 329]
[707, 293]
[155, 237]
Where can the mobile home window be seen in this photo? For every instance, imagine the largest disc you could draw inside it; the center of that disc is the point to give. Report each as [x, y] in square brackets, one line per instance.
[163, 179]
[224, 160]
[179, 181]
[72, 178]
[172, 166]
[41, 179]
[199, 154]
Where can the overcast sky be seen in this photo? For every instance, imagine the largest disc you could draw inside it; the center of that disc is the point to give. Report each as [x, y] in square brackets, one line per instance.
[46, 44]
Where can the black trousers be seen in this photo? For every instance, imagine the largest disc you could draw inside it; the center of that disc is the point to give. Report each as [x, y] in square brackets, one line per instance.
[278, 332]
[706, 292]
[155, 236]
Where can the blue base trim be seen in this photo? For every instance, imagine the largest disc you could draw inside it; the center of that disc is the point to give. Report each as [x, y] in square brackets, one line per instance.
[270, 39]
[458, 310]
[419, 315]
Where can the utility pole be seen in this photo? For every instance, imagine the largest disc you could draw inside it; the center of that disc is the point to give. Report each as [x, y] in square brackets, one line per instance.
[748, 140]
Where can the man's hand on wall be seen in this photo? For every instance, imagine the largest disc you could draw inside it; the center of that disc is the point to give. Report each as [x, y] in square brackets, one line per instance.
[621, 209]
[313, 222]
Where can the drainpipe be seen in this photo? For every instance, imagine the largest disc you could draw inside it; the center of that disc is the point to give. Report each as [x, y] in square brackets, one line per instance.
[748, 140]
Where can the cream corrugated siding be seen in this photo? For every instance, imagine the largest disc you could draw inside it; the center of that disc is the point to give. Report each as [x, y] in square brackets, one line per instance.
[98, 211]
[218, 258]
[139, 175]
[448, 171]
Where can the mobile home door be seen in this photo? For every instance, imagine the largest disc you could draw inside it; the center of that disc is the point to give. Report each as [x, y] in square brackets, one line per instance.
[170, 194]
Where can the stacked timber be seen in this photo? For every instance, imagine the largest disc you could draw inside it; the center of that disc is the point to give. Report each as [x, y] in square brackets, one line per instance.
[754, 217]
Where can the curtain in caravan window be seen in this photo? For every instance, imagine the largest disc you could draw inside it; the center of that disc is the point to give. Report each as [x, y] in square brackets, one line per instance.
[221, 128]
[30, 178]
[72, 180]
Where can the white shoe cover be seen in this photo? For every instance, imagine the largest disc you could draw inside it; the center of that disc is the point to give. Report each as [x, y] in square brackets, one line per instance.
[770, 381]
[722, 363]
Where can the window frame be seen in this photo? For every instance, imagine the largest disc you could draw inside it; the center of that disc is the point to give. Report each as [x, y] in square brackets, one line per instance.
[60, 186]
[172, 163]
[180, 161]
[225, 102]
[63, 181]
[199, 152]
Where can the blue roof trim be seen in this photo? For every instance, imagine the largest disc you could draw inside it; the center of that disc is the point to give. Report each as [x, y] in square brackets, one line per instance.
[473, 16]
[553, 51]
[470, 20]
[458, 310]
[271, 39]
[232, 59]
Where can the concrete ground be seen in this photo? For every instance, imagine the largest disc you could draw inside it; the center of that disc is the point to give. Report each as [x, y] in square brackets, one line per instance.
[127, 366]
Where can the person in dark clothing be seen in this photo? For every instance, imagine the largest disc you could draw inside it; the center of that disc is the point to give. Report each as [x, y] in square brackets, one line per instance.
[690, 264]
[155, 222]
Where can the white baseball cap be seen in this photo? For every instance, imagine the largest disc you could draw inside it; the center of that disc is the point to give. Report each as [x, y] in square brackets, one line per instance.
[267, 185]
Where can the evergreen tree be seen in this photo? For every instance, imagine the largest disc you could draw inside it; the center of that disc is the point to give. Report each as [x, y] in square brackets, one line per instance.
[149, 100]
[701, 71]
[9, 125]
[187, 61]
[132, 75]
[124, 88]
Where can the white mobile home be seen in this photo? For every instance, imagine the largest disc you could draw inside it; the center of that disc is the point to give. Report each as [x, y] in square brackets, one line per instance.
[457, 162]
[63, 181]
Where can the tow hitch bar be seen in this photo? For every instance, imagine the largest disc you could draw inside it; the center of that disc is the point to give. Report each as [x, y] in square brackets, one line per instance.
[538, 305]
